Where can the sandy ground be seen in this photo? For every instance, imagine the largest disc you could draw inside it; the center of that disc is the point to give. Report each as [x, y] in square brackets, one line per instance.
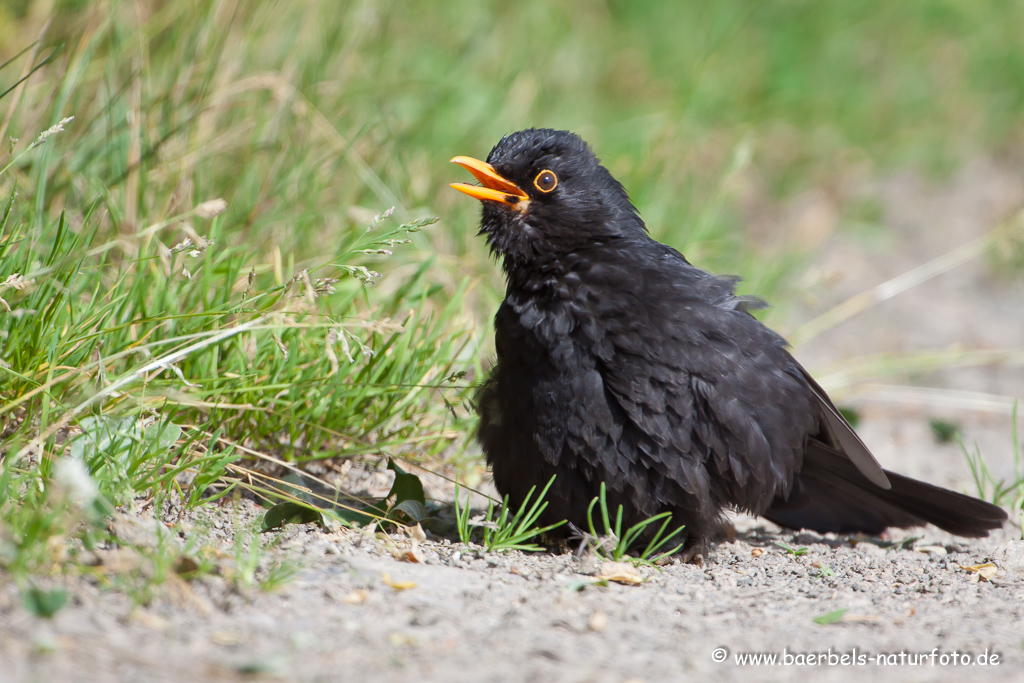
[466, 615]
[356, 613]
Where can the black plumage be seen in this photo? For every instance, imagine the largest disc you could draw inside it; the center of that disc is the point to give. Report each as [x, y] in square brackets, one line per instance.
[619, 361]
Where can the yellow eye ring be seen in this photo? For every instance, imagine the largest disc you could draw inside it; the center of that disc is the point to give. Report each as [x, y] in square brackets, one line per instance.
[546, 181]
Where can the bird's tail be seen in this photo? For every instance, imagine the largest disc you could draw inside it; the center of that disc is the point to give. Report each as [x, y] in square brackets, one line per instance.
[830, 494]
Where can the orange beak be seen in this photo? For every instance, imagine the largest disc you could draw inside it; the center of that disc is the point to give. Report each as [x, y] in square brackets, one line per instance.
[495, 188]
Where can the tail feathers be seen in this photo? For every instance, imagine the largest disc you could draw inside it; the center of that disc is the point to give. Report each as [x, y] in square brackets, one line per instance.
[831, 494]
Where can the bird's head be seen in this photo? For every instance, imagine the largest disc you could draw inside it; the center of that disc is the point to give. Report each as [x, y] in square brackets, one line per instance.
[545, 194]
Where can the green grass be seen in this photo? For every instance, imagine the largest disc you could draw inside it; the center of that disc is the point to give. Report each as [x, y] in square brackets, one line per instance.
[462, 516]
[178, 347]
[796, 552]
[163, 340]
[611, 542]
[503, 529]
[998, 490]
[250, 551]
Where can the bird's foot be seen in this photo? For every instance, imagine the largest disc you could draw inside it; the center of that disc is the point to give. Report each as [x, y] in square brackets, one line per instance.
[694, 553]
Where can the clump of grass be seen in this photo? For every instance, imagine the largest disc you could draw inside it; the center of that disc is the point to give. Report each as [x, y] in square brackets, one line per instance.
[796, 552]
[153, 345]
[503, 530]
[462, 513]
[998, 491]
[615, 545]
[254, 566]
[824, 570]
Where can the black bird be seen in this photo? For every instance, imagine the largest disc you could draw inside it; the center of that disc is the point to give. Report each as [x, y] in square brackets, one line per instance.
[620, 362]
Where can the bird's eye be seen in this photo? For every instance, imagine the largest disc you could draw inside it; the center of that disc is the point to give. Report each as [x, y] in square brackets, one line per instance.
[545, 181]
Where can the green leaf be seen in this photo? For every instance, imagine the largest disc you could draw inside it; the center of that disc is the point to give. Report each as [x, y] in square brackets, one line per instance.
[43, 603]
[290, 512]
[406, 487]
[350, 516]
[297, 487]
[414, 509]
[161, 436]
[107, 437]
[831, 617]
[122, 456]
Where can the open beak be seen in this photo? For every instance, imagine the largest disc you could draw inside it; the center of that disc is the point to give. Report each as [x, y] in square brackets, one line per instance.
[495, 188]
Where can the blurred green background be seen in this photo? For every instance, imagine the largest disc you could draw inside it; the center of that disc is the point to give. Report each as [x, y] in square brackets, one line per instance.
[311, 117]
[298, 113]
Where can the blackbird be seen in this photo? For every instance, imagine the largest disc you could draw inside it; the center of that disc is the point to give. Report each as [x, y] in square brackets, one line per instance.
[620, 362]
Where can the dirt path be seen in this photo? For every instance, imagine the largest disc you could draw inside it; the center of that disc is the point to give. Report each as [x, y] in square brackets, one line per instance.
[513, 617]
[481, 617]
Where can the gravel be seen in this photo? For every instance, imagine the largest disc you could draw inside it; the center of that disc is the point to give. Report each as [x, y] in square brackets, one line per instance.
[354, 612]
